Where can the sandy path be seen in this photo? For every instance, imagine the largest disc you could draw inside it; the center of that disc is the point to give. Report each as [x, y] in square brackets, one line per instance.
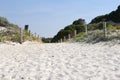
[63, 61]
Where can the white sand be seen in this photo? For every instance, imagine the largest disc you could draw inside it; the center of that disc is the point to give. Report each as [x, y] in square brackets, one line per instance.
[63, 61]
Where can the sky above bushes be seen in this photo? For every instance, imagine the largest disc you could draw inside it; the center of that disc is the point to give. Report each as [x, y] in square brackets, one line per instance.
[47, 17]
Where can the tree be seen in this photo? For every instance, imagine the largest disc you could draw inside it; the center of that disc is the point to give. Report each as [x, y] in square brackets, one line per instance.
[79, 22]
[79, 28]
[114, 16]
[77, 25]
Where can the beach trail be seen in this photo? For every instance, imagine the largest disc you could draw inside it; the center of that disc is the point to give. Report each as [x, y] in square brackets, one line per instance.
[59, 61]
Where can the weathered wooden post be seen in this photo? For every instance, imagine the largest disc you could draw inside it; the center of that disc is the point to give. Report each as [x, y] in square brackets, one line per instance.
[30, 36]
[61, 40]
[2, 36]
[75, 33]
[29, 33]
[49, 41]
[104, 30]
[69, 36]
[58, 41]
[21, 39]
[64, 38]
[86, 30]
[35, 35]
[38, 37]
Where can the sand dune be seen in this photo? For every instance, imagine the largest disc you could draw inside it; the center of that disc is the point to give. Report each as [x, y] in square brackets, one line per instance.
[62, 61]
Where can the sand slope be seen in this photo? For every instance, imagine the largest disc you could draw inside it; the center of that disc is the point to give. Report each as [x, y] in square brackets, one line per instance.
[62, 61]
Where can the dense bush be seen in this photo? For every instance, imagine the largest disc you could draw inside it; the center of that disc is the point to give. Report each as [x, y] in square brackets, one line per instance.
[46, 40]
[77, 25]
[3, 21]
[79, 22]
[96, 24]
[12, 32]
[114, 16]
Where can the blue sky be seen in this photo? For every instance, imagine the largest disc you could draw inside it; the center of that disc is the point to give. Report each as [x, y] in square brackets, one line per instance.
[47, 17]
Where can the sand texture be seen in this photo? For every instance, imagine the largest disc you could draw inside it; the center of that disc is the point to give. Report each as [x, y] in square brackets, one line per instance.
[59, 61]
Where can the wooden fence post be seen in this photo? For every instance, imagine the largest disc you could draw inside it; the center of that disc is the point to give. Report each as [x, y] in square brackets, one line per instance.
[58, 41]
[2, 36]
[75, 33]
[104, 30]
[61, 40]
[35, 35]
[21, 39]
[49, 41]
[38, 37]
[64, 38]
[29, 33]
[86, 30]
[69, 36]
